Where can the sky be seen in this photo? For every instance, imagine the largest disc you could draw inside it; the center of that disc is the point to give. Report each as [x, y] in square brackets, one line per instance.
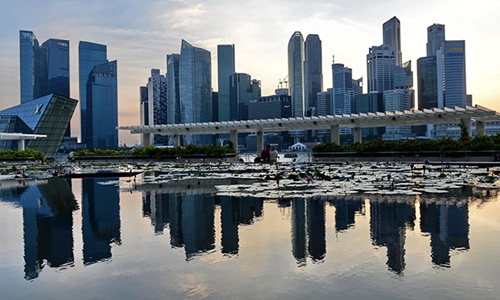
[139, 34]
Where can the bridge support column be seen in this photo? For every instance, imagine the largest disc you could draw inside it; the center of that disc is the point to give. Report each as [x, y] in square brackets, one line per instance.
[468, 124]
[480, 127]
[146, 139]
[357, 134]
[177, 140]
[335, 134]
[260, 141]
[233, 137]
[20, 145]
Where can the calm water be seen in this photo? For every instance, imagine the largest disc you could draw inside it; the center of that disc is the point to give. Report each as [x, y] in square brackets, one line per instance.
[95, 239]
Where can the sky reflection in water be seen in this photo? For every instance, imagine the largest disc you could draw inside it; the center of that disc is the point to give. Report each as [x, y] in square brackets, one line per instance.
[88, 237]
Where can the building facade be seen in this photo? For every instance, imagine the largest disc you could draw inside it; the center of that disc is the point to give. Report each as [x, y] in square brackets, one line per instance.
[173, 98]
[296, 74]
[313, 71]
[454, 83]
[435, 38]
[392, 37]
[381, 61]
[195, 89]
[33, 67]
[397, 100]
[225, 68]
[48, 115]
[102, 107]
[89, 55]
[157, 103]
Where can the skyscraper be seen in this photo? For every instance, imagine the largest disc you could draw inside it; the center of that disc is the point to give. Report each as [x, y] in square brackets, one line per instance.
[380, 62]
[102, 107]
[240, 93]
[296, 74]
[344, 95]
[33, 67]
[57, 66]
[397, 100]
[392, 37]
[174, 115]
[144, 108]
[427, 82]
[157, 103]
[435, 38]
[225, 67]
[195, 87]
[89, 56]
[313, 69]
[454, 83]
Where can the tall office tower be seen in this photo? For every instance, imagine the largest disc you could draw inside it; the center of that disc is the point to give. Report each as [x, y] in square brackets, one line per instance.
[372, 102]
[144, 108]
[324, 103]
[427, 82]
[225, 67]
[296, 74]
[313, 70]
[33, 67]
[454, 85]
[344, 96]
[102, 107]
[397, 100]
[256, 89]
[58, 69]
[380, 64]
[392, 37]
[403, 79]
[89, 56]
[157, 103]
[240, 92]
[435, 38]
[195, 87]
[174, 114]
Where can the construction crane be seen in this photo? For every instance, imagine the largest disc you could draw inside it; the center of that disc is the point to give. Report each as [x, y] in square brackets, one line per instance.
[283, 81]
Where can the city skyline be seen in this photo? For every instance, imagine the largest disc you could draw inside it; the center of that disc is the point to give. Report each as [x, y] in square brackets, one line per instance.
[347, 31]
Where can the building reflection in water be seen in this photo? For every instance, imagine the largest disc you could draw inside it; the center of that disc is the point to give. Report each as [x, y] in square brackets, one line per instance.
[100, 218]
[447, 223]
[47, 224]
[191, 217]
[388, 223]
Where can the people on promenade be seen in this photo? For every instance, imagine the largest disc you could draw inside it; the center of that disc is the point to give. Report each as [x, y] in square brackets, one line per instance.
[264, 154]
[273, 155]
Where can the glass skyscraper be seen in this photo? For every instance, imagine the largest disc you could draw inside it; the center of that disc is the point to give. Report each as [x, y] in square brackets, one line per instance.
[33, 67]
[102, 107]
[453, 74]
[381, 61]
[314, 70]
[89, 56]
[392, 37]
[173, 98]
[427, 82]
[195, 87]
[57, 66]
[435, 38]
[157, 103]
[225, 67]
[296, 74]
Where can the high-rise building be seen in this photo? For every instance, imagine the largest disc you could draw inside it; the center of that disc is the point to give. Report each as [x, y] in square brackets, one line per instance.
[427, 82]
[241, 90]
[380, 65]
[296, 74]
[225, 67]
[372, 102]
[144, 108]
[157, 103]
[324, 103]
[313, 69]
[397, 100]
[392, 37]
[102, 107]
[173, 98]
[270, 107]
[435, 38]
[454, 83]
[89, 56]
[33, 67]
[195, 87]
[403, 79]
[344, 96]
